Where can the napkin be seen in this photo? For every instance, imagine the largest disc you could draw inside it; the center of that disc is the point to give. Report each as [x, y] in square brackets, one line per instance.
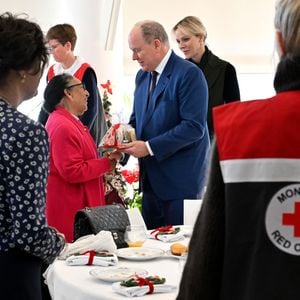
[102, 241]
[167, 234]
[103, 259]
[138, 291]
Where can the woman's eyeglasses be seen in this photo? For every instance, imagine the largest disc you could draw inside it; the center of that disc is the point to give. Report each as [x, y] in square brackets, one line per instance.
[76, 84]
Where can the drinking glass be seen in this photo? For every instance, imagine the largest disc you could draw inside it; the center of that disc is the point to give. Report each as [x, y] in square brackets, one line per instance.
[135, 235]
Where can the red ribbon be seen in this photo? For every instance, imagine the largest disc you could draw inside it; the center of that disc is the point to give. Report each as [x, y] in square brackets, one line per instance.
[143, 281]
[91, 256]
[160, 230]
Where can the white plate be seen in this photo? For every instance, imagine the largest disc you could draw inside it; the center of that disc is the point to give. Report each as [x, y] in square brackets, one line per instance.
[170, 254]
[136, 253]
[116, 274]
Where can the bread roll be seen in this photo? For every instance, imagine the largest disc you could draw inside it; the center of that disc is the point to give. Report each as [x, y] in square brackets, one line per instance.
[178, 249]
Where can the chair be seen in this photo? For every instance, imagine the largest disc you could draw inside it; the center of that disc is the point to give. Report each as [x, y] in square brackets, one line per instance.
[191, 209]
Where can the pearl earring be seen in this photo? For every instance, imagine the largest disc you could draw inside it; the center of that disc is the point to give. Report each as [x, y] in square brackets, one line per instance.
[23, 78]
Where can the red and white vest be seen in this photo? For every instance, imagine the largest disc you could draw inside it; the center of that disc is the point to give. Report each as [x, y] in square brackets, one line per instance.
[258, 145]
[78, 73]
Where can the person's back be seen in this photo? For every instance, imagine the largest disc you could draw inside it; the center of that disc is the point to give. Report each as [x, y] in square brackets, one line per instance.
[262, 185]
[26, 240]
[246, 241]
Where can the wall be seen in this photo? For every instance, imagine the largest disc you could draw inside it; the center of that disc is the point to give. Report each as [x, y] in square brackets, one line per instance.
[240, 31]
[91, 20]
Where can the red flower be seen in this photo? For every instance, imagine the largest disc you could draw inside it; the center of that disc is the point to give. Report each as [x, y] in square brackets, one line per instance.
[131, 175]
[107, 86]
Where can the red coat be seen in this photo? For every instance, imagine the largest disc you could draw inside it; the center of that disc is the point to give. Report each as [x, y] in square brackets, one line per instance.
[75, 179]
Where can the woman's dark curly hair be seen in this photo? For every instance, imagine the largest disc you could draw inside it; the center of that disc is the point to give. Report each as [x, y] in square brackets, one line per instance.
[22, 45]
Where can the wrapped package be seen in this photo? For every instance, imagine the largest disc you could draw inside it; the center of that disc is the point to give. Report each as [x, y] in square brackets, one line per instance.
[117, 135]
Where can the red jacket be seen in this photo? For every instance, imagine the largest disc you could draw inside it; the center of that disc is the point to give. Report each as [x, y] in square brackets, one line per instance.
[75, 179]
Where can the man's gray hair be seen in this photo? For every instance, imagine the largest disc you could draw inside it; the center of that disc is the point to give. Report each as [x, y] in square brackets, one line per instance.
[153, 30]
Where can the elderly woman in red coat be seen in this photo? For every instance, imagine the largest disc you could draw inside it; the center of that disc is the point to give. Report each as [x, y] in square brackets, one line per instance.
[75, 179]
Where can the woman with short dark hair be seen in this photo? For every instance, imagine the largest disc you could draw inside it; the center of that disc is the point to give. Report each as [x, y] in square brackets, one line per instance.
[76, 172]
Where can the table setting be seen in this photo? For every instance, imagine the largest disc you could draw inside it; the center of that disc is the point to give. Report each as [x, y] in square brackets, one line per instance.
[167, 234]
[138, 286]
[150, 271]
[92, 257]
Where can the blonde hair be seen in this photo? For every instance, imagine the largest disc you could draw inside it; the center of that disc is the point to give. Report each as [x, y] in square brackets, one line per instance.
[193, 25]
[287, 21]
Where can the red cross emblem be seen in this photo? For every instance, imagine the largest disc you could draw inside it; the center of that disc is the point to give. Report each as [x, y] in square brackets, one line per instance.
[293, 219]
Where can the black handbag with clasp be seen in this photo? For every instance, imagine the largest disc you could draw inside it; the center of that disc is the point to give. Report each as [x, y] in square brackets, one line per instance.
[111, 218]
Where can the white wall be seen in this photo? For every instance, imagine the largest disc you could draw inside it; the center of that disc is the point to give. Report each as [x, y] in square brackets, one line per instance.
[240, 31]
[90, 19]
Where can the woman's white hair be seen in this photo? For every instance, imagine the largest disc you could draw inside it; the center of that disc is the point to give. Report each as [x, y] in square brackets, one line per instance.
[287, 21]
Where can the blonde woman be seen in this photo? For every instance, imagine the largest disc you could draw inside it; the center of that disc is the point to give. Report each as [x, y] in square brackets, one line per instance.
[220, 75]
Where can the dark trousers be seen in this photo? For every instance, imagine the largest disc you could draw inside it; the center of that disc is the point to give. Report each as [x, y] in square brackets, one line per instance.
[159, 212]
[20, 276]
[45, 290]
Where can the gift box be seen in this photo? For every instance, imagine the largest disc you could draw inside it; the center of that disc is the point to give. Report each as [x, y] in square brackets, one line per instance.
[117, 135]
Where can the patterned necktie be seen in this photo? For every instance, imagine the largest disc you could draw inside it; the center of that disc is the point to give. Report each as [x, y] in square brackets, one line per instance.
[152, 86]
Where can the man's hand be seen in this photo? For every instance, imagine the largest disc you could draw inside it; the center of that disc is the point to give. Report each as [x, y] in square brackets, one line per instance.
[137, 149]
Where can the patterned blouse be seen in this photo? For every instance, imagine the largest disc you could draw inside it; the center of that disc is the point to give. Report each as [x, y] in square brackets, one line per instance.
[23, 176]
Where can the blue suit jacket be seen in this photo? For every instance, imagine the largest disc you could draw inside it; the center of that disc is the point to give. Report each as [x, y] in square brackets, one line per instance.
[175, 127]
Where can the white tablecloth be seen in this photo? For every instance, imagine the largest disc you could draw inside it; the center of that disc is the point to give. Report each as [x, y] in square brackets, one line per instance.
[75, 282]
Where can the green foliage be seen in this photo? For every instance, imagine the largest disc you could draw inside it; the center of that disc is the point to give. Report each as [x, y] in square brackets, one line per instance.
[106, 107]
[136, 201]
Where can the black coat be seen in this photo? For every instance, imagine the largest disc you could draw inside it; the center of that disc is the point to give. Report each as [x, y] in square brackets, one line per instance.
[222, 83]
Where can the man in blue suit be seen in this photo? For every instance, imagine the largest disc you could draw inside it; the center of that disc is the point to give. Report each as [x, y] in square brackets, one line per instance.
[172, 137]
